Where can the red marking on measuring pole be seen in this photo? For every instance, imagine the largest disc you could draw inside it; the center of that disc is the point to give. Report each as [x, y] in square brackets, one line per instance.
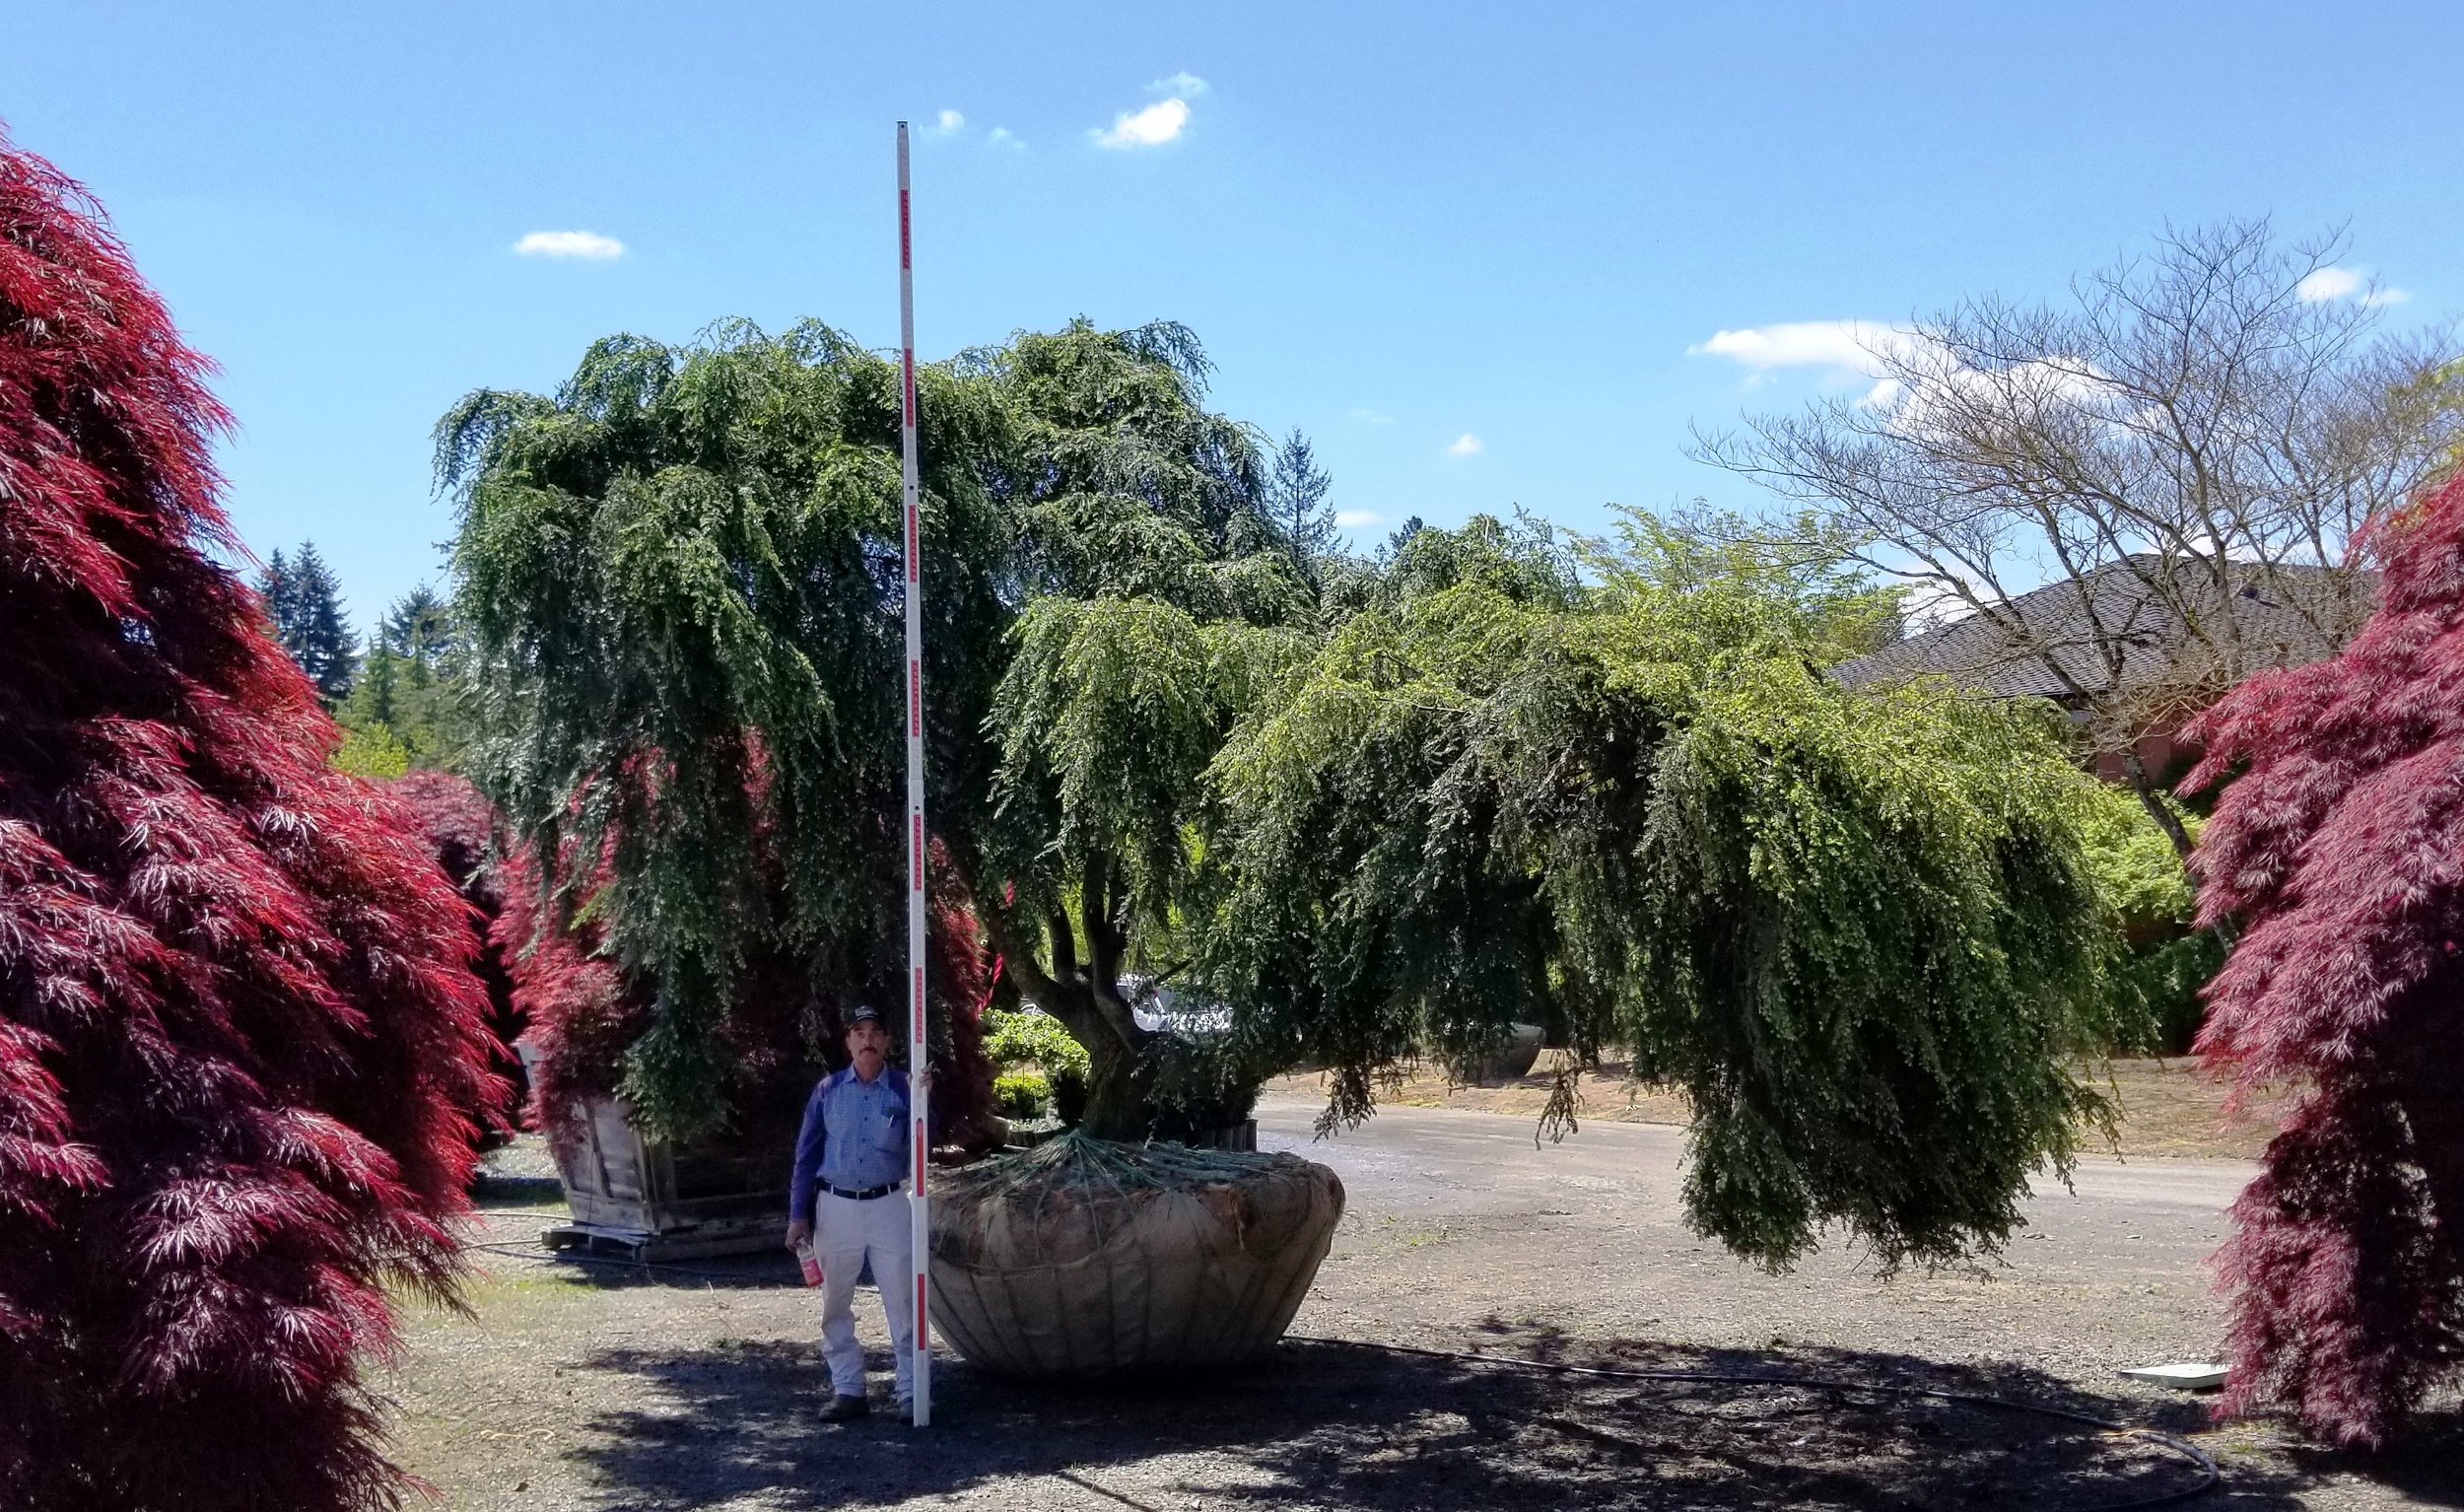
[914, 706]
[914, 869]
[913, 566]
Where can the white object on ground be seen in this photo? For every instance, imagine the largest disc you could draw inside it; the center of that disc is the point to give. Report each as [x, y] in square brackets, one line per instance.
[2182, 1375]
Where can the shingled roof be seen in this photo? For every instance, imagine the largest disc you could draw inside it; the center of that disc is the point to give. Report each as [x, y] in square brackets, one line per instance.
[2059, 627]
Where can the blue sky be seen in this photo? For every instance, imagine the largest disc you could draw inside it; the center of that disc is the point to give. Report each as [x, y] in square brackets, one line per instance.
[1481, 255]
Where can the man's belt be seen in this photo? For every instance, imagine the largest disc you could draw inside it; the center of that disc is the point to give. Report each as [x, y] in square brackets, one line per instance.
[866, 1195]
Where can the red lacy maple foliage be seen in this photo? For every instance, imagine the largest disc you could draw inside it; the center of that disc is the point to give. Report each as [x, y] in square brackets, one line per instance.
[578, 1011]
[582, 1014]
[461, 826]
[2340, 850]
[237, 1026]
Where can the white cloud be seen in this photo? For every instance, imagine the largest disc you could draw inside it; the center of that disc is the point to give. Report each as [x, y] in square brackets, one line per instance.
[1354, 520]
[1373, 417]
[1842, 350]
[2323, 283]
[569, 243]
[1846, 347]
[1153, 126]
[1465, 445]
[1180, 86]
[1003, 136]
[952, 123]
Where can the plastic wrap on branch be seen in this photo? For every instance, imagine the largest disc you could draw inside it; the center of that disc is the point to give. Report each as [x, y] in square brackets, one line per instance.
[238, 1034]
[2339, 848]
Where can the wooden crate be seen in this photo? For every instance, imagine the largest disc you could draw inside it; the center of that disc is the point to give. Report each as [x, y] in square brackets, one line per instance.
[649, 1200]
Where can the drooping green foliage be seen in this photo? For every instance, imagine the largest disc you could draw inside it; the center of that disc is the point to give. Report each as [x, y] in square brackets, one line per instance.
[679, 586]
[1386, 811]
[1798, 579]
[681, 594]
[1856, 929]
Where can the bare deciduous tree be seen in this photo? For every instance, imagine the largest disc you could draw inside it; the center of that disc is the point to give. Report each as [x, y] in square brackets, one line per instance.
[2180, 461]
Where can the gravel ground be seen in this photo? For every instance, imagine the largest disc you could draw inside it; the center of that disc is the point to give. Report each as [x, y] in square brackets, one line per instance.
[2169, 1107]
[601, 1389]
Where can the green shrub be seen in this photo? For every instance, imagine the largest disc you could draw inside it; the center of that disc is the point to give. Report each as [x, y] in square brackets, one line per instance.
[1035, 1038]
[2163, 961]
[1022, 1095]
[372, 751]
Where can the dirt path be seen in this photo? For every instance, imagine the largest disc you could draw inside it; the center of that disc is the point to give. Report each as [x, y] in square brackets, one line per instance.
[614, 1391]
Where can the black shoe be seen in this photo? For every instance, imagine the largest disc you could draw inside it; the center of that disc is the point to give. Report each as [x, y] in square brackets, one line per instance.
[845, 1409]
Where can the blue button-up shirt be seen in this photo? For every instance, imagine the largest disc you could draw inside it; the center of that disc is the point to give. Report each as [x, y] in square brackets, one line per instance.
[855, 1136]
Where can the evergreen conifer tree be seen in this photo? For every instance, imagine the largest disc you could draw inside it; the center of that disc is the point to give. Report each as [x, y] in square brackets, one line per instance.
[1296, 501]
[320, 639]
[278, 586]
[304, 604]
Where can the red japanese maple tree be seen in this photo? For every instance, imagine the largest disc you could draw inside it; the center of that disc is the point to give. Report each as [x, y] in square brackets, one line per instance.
[461, 827]
[236, 1024]
[2339, 848]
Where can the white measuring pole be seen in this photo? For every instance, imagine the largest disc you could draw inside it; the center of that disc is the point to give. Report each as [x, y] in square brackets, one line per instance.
[919, 1072]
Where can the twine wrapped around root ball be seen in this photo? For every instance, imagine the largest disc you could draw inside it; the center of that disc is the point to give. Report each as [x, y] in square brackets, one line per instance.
[1085, 1258]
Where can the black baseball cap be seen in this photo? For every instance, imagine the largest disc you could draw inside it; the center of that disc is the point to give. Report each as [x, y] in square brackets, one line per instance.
[864, 1014]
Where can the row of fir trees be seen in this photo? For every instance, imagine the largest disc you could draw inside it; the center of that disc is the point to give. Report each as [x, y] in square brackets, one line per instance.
[397, 702]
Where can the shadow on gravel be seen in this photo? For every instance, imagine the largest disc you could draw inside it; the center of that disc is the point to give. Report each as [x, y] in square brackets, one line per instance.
[1335, 1426]
[2427, 1466]
[498, 1189]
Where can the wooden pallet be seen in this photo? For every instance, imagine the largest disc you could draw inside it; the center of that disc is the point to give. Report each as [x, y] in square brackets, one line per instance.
[643, 1248]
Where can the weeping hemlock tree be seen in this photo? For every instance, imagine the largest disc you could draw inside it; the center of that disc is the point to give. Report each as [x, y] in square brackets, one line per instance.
[1857, 928]
[237, 1029]
[680, 584]
[2337, 847]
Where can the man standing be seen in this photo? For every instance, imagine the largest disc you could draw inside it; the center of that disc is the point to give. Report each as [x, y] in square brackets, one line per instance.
[852, 1155]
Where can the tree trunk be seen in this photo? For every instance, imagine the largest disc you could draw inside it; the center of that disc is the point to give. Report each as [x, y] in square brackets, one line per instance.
[1120, 1102]
[2135, 773]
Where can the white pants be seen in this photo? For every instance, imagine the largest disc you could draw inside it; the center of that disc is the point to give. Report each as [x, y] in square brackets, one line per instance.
[847, 1232]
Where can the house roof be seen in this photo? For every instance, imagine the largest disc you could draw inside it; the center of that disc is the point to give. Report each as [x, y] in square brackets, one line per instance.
[2069, 624]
